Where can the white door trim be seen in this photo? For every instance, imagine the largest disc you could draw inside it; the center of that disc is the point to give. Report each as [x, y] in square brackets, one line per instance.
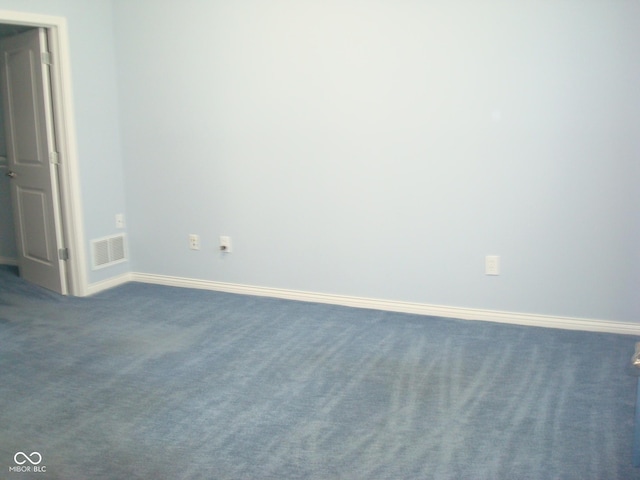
[69, 178]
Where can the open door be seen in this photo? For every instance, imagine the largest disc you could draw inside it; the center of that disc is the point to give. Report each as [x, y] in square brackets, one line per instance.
[32, 159]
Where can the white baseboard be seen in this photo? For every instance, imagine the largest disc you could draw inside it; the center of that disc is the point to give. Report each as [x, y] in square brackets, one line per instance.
[98, 287]
[534, 320]
[8, 261]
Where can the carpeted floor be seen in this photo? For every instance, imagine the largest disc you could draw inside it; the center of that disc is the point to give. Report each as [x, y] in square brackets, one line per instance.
[154, 382]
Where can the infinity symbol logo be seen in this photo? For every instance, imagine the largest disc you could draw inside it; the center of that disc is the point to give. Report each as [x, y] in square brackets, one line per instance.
[27, 458]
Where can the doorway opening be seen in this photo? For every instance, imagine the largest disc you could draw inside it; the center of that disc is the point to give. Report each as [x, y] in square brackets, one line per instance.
[68, 229]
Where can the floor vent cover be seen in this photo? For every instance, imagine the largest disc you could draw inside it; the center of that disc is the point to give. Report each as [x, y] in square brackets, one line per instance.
[108, 251]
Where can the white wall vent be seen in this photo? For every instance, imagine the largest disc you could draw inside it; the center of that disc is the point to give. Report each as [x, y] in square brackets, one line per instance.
[108, 251]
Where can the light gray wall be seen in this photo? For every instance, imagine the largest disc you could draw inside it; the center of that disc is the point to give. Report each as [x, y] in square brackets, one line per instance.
[382, 149]
[378, 149]
[8, 252]
[95, 99]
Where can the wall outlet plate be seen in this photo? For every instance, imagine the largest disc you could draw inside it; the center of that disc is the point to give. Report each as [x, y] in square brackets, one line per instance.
[225, 244]
[194, 241]
[492, 265]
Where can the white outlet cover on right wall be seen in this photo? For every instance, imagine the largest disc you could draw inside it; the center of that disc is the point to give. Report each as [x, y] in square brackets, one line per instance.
[492, 265]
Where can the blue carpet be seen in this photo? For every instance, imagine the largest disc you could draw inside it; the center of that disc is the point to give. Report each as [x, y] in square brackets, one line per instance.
[153, 382]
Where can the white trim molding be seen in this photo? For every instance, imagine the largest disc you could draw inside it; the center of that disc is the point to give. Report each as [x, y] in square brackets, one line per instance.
[532, 320]
[9, 261]
[103, 285]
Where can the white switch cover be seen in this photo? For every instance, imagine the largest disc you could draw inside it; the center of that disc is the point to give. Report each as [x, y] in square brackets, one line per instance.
[120, 220]
[492, 265]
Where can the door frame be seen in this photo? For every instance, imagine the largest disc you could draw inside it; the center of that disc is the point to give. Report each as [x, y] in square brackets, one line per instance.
[66, 141]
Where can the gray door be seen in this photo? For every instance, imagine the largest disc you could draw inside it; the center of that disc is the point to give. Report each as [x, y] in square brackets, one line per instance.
[26, 93]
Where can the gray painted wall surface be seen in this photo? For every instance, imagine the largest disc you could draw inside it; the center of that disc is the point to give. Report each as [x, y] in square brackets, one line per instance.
[382, 149]
[8, 252]
[376, 149]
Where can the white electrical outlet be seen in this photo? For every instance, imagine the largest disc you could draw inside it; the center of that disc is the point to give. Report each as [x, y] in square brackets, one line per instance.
[225, 244]
[492, 265]
[120, 220]
[194, 241]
